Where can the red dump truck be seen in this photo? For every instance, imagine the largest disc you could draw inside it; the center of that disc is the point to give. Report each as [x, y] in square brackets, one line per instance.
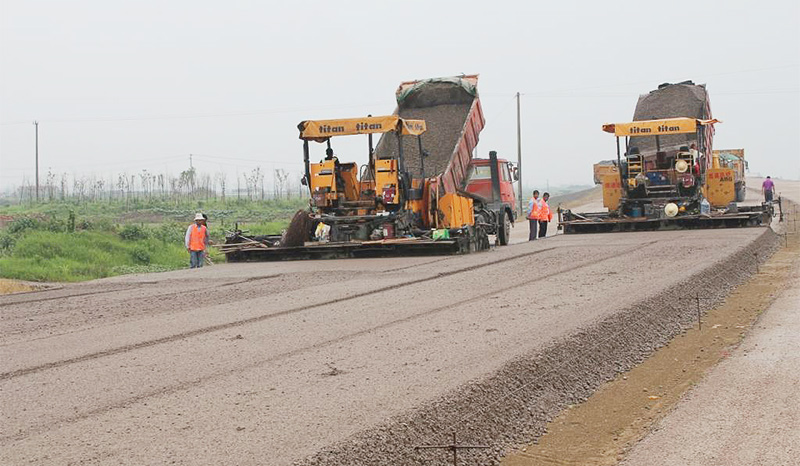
[453, 113]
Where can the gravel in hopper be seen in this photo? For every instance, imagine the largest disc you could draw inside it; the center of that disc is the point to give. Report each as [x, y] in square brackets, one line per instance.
[445, 108]
[674, 101]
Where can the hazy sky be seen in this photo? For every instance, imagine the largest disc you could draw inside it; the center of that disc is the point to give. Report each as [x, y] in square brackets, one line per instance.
[119, 86]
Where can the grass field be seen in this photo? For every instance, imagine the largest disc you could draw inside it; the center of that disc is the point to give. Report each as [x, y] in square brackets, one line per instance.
[66, 242]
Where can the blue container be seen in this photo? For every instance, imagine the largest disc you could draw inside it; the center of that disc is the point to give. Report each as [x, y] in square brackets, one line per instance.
[636, 211]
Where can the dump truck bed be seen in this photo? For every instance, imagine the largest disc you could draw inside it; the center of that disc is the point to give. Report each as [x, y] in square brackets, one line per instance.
[454, 117]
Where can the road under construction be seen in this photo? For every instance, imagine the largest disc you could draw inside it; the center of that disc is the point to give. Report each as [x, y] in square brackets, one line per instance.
[349, 361]
[370, 361]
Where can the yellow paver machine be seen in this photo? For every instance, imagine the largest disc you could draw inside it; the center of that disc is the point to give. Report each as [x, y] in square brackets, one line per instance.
[411, 197]
[374, 210]
[670, 187]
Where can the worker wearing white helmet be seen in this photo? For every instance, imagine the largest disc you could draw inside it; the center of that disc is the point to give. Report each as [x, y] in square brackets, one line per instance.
[196, 241]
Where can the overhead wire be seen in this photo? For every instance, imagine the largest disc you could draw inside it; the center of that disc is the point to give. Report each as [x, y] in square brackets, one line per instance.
[192, 116]
[217, 157]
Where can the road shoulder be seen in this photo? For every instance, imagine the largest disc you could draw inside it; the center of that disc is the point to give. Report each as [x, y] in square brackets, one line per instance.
[747, 411]
[602, 429]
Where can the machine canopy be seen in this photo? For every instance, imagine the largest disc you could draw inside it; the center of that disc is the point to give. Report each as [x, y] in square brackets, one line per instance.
[321, 130]
[657, 127]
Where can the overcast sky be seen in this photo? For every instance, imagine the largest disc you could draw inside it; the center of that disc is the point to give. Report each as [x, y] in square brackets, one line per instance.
[120, 86]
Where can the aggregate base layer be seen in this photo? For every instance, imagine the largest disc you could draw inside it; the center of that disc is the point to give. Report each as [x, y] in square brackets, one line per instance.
[346, 362]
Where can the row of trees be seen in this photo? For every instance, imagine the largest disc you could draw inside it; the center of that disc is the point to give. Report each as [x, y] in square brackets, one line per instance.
[149, 186]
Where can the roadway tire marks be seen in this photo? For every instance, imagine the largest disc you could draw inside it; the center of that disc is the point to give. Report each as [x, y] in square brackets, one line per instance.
[251, 320]
[186, 385]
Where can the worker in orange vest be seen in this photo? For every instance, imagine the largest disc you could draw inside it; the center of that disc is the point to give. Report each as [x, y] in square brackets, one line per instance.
[196, 241]
[534, 206]
[545, 215]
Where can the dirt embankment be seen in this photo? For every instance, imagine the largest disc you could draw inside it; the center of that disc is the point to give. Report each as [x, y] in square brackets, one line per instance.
[749, 404]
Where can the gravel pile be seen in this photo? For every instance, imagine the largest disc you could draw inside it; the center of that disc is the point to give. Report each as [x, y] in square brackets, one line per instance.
[297, 232]
[513, 406]
[445, 108]
[673, 101]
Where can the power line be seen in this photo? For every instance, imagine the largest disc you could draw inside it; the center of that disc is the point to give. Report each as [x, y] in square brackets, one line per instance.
[627, 94]
[326, 107]
[127, 163]
[602, 86]
[217, 157]
[36, 124]
[205, 115]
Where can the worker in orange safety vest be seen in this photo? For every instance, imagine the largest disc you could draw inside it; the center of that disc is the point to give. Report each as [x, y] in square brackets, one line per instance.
[545, 215]
[196, 241]
[534, 206]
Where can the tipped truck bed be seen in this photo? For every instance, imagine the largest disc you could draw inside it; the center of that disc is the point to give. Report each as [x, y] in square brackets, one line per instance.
[452, 111]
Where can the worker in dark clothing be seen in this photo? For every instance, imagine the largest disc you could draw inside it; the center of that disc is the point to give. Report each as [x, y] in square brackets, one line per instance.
[545, 215]
[340, 187]
[534, 205]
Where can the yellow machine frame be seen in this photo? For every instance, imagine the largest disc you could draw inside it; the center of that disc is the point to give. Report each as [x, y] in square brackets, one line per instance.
[452, 210]
[324, 178]
[387, 175]
[719, 187]
[612, 191]
[455, 211]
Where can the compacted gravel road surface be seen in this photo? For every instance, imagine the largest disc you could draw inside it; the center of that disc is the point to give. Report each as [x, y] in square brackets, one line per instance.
[323, 362]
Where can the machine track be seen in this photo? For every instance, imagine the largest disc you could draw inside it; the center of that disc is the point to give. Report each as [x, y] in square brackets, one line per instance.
[260, 318]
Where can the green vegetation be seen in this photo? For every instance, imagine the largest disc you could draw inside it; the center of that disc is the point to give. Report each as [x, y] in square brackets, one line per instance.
[83, 255]
[65, 241]
[222, 213]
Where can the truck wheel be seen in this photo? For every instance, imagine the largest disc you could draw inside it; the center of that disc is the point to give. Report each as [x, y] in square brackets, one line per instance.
[504, 228]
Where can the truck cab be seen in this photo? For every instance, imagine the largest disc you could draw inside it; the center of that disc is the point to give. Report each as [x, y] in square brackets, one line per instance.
[479, 181]
[490, 183]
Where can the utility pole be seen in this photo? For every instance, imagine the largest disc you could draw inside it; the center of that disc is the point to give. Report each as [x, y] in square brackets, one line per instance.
[190, 162]
[519, 158]
[36, 125]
